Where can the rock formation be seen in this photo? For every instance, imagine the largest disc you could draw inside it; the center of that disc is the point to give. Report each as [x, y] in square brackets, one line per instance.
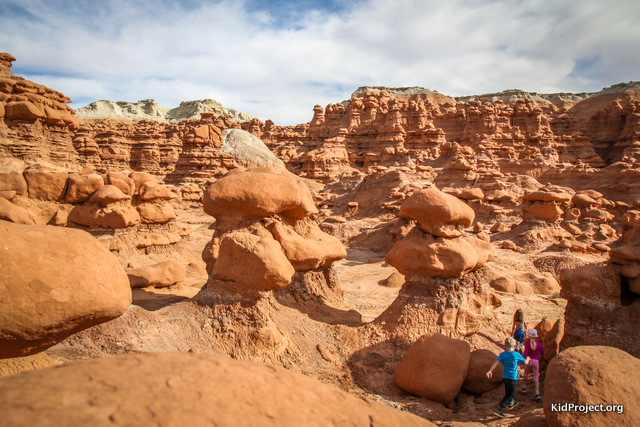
[263, 234]
[592, 375]
[434, 367]
[55, 282]
[181, 389]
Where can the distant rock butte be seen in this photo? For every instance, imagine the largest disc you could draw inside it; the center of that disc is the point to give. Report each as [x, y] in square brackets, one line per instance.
[150, 109]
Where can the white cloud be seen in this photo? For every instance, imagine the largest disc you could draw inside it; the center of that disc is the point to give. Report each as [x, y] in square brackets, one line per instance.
[229, 51]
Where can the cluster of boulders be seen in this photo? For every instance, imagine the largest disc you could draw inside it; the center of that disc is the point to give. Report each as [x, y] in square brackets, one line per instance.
[437, 367]
[39, 193]
[263, 232]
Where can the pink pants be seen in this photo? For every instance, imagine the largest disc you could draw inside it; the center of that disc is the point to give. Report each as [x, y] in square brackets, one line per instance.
[532, 366]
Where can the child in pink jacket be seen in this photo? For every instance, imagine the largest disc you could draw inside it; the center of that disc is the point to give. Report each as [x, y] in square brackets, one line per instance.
[533, 349]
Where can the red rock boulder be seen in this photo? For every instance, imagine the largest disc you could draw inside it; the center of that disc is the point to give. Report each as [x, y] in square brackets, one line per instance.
[480, 362]
[592, 376]
[315, 249]
[56, 282]
[434, 367]
[251, 194]
[184, 389]
[253, 262]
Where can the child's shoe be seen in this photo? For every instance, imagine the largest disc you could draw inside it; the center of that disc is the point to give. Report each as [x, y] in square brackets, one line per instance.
[512, 404]
[538, 396]
[499, 413]
[524, 388]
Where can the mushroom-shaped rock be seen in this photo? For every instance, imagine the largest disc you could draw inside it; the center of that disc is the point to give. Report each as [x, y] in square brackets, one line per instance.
[438, 213]
[179, 389]
[251, 194]
[434, 367]
[254, 262]
[592, 375]
[81, 187]
[108, 207]
[113, 216]
[140, 178]
[480, 362]
[315, 249]
[55, 282]
[166, 273]
[156, 213]
[426, 255]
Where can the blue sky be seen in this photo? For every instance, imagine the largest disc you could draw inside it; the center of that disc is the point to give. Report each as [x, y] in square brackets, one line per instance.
[277, 59]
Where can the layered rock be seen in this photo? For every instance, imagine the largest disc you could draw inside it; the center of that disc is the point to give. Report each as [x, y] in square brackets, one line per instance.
[35, 122]
[601, 308]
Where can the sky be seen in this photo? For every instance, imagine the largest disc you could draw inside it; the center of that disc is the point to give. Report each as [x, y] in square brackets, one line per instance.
[277, 59]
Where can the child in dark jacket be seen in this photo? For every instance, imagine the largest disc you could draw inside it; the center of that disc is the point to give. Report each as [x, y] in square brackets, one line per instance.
[509, 360]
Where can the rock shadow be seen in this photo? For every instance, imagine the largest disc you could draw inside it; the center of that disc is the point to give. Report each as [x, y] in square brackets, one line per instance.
[317, 293]
[151, 301]
[372, 367]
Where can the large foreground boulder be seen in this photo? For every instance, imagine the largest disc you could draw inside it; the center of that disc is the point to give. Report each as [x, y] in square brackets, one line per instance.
[54, 282]
[592, 376]
[434, 367]
[184, 389]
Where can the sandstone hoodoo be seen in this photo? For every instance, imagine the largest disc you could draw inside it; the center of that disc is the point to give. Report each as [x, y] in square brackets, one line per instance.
[263, 234]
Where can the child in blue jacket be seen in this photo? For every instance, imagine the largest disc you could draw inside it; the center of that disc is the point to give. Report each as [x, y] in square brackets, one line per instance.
[509, 360]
